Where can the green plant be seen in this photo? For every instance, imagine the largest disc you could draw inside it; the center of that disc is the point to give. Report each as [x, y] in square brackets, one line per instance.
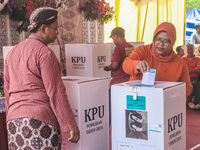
[192, 4]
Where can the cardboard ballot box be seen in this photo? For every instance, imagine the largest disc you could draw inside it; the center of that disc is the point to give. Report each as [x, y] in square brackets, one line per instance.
[88, 98]
[87, 59]
[148, 118]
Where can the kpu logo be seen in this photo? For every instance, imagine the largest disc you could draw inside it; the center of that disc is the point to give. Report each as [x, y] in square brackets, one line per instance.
[92, 113]
[101, 59]
[174, 122]
[78, 59]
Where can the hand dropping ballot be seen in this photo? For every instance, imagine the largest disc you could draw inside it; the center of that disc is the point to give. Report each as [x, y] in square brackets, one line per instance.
[148, 77]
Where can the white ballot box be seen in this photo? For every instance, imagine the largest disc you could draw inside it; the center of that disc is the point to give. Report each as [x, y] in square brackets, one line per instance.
[88, 98]
[55, 48]
[88, 59]
[148, 117]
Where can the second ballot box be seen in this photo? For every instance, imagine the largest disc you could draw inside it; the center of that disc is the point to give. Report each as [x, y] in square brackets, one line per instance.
[88, 98]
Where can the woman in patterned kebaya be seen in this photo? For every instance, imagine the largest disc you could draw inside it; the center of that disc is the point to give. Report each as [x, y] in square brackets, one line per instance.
[37, 106]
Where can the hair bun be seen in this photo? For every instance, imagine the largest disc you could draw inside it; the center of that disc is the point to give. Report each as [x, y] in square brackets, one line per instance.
[26, 24]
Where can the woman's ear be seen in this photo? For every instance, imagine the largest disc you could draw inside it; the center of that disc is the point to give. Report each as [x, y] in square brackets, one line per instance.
[43, 29]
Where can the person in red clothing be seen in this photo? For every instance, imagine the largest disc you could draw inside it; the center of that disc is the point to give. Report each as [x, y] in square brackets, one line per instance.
[118, 36]
[159, 55]
[37, 107]
[119, 76]
[193, 64]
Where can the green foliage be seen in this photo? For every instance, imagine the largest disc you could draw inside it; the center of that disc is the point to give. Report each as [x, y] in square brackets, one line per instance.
[192, 4]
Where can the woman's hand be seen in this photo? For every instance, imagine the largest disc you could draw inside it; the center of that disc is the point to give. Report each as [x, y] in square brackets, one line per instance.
[74, 135]
[143, 66]
[106, 68]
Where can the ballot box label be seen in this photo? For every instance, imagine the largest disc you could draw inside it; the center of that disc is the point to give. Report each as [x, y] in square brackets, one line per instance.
[138, 104]
[155, 128]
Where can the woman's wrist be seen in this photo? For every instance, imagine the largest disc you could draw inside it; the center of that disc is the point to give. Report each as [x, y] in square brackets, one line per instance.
[107, 67]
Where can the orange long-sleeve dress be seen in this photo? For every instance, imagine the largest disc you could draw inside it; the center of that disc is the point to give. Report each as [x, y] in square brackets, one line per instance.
[174, 70]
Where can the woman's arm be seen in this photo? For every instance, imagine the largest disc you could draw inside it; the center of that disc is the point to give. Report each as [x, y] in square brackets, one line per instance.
[135, 63]
[51, 77]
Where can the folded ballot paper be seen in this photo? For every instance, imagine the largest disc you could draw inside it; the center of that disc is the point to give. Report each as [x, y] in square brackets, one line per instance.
[148, 77]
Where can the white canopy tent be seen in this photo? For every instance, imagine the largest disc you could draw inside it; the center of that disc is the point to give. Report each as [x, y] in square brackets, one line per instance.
[192, 16]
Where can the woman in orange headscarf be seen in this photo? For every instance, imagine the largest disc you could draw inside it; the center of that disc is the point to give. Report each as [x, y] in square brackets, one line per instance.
[159, 55]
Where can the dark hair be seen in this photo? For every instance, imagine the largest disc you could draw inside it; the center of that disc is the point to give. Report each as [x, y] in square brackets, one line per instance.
[26, 24]
[38, 26]
[119, 31]
[178, 48]
[190, 44]
[40, 16]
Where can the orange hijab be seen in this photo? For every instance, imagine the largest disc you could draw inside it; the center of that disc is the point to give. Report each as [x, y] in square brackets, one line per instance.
[171, 31]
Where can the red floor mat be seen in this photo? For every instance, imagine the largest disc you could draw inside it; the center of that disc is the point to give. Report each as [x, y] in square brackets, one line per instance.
[192, 129]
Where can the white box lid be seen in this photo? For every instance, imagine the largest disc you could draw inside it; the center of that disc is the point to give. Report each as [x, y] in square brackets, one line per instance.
[81, 79]
[158, 84]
